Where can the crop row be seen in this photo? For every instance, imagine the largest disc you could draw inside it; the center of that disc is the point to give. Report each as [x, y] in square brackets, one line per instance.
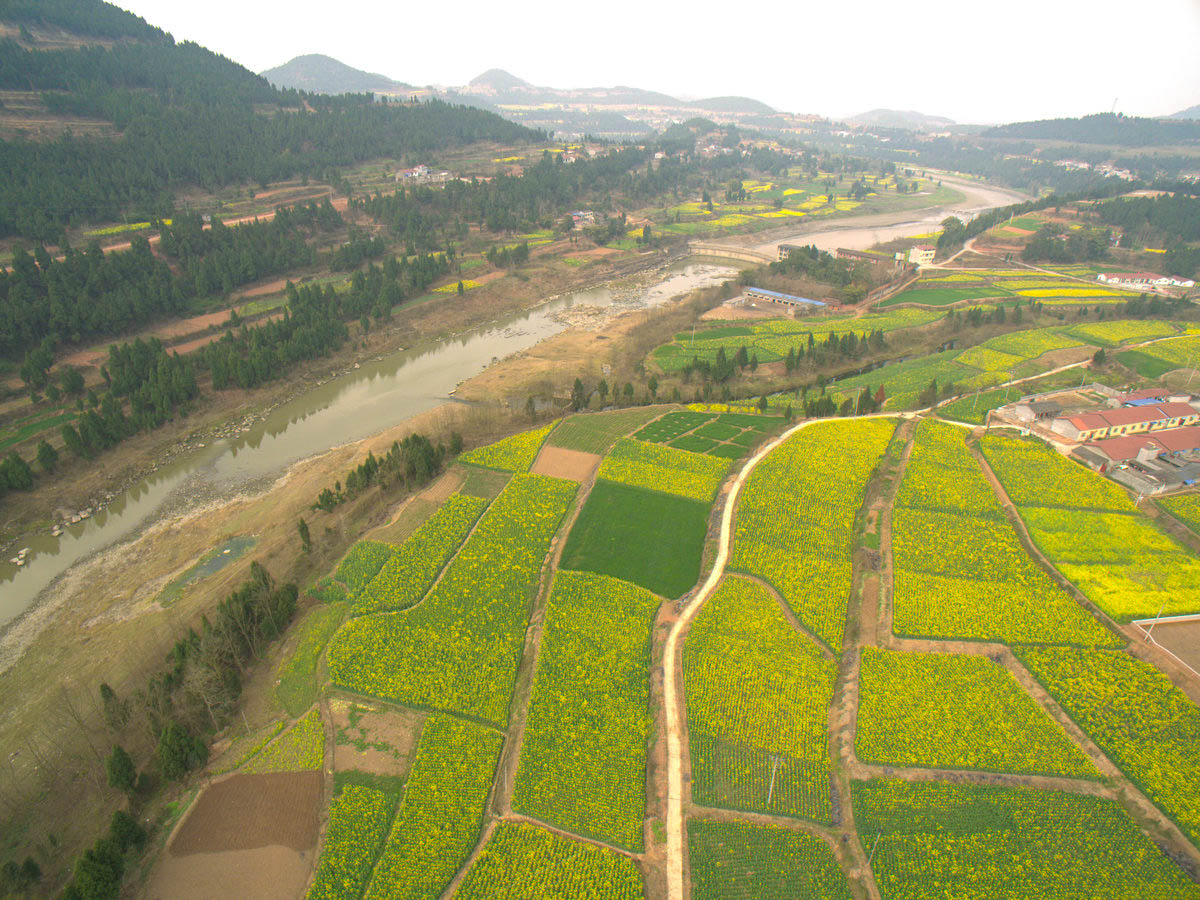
[658, 468]
[758, 695]
[1141, 721]
[796, 513]
[941, 710]
[515, 453]
[358, 823]
[1094, 534]
[410, 572]
[936, 841]
[583, 760]
[523, 862]
[438, 822]
[460, 648]
[740, 861]
[960, 570]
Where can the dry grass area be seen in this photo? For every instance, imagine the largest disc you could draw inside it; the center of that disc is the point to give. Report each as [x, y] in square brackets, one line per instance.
[266, 873]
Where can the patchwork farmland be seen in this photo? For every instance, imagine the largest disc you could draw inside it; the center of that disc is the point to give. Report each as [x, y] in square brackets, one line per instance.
[862, 647]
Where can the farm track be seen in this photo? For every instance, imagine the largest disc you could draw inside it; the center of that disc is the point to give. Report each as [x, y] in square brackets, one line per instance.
[677, 886]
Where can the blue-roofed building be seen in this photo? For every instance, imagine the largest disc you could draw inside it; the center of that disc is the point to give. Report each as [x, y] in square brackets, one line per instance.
[790, 300]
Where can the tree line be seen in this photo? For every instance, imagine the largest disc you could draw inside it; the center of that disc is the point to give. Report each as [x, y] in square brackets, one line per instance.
[90, 293]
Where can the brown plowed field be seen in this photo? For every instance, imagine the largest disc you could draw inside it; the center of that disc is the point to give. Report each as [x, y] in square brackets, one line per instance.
[562, 463]
[244, 812]
[265, 873]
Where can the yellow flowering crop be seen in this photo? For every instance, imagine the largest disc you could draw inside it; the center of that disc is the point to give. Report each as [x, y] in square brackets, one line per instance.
[591, 694]
[411, 571]
[758, 695]
[795, 518]
[358, 821]
[301, 748]
[439, 820]
[459, 648]
[1137, 717]
[659, 468]
[960, 570]
[944, 710]
[511, 454]
[523, 862]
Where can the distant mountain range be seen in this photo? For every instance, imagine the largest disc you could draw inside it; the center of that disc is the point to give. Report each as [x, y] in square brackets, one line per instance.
[318, 74]
[898, 118]
[1192, 112]
[619, 111]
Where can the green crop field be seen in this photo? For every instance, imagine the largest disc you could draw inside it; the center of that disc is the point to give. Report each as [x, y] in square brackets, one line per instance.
[941, 710]
[740, 861]
[597, 432]
[936, 841]
[771, 339]
[757, 700]
[583, 761]
[439, 820]
[672, 425]
[296, 684]
[409, 572]
[960, 569]
[942, 296]
[1136, 716]
[1094, 534]
[522, 862]
[646, 537]
[795, 518]
[459, 649]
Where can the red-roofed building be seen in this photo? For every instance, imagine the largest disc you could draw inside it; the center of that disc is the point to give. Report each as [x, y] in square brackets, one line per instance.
[1119, 450]
[1125, 420]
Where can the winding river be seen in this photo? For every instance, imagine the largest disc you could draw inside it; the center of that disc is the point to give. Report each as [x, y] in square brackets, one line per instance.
[371, 398]
[386, 391]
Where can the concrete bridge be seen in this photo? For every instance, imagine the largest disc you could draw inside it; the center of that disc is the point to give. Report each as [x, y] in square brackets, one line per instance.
[730, 251]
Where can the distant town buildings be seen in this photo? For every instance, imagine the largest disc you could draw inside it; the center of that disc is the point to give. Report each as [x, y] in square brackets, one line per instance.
[1143, 279]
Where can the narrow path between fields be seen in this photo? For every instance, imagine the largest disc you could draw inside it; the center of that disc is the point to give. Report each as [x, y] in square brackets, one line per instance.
[673, 676]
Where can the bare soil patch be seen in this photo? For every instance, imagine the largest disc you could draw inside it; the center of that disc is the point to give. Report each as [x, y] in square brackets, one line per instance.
[562, 463]
[1180, 638]
[244, 812]
[380, 740]
[726, 313]
[265, 873]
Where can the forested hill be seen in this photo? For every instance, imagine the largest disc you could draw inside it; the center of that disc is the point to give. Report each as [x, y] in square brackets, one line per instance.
[80, 17]
[185, 117]
[1104, 128]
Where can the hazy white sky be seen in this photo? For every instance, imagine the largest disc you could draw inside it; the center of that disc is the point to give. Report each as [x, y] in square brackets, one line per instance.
[971, 61]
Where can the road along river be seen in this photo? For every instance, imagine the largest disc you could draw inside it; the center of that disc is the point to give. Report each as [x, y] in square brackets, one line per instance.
[375, 396]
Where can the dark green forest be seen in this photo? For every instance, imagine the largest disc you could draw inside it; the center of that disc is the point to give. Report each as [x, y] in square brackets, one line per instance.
[1173, 219]
[186, 116]
[90, 293]
[1104, 128]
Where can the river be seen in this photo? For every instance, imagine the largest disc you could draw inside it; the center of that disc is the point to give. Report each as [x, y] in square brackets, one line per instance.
[371, 398]
[384, 392]
[861, 232]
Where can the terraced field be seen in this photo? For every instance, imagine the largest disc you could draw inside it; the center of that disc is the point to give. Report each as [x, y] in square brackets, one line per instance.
[1094, 534]
[521, 666]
